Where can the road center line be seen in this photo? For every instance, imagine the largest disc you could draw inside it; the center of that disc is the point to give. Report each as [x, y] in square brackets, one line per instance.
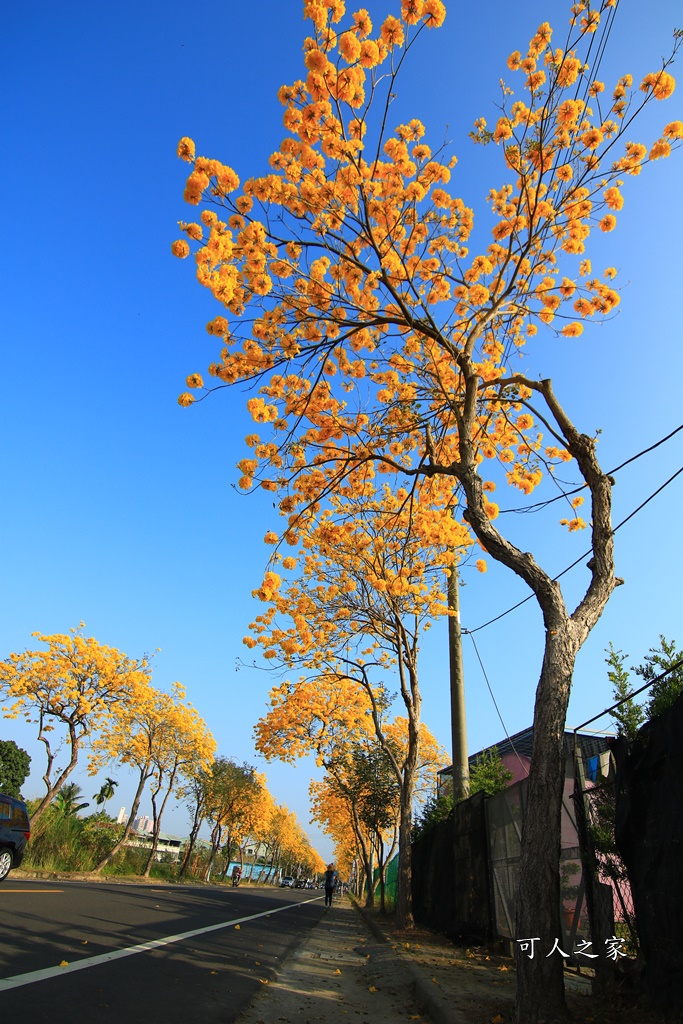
[143, 947]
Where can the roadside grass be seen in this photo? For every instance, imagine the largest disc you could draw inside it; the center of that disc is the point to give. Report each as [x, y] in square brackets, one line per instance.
[68, 843]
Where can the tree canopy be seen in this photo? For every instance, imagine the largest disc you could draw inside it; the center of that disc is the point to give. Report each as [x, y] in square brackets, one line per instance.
[380, 328]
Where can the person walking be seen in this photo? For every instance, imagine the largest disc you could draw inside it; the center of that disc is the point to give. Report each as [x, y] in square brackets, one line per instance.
[330, 884]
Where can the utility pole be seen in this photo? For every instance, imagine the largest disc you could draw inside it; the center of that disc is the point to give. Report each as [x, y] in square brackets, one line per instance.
[461, 771]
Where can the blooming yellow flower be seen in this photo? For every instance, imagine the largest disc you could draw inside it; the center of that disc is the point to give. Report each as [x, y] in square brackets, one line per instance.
[481, 565]
[592, 138]
[195, 381]
[673, 130]
[412, 11]
[349, 47]
[661, 148]
[572, 330]
[613, 198]
[363, 23]
[434, 13]
[186, 150]
[185, 399]
[392, 32]
[180, 248]
[608, 222]
[662, 84]
[573, 524]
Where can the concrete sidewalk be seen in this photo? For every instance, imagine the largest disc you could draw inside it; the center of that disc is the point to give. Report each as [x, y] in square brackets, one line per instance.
[341, 972]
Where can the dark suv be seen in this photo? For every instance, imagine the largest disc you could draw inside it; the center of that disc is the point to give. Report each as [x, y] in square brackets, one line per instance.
[15, 832]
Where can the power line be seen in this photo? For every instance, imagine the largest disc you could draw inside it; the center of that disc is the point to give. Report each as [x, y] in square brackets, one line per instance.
[495, 704]
[523, 510]
[581, 557]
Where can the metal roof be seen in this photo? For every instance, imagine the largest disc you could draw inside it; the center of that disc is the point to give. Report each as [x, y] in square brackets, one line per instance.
[521, 743]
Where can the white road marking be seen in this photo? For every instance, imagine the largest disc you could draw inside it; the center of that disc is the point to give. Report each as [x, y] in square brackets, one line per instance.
[143, 947]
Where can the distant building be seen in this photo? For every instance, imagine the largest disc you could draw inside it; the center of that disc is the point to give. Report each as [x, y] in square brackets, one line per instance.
[122, 816]
[168, 844]
[515, 753]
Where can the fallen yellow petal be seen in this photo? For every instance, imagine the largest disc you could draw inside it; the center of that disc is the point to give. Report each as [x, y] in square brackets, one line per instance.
[237, 927]
[214, 972]
[372, 988]
[337, 971]
[502, 967]
[84, 942]
[64, 963]
[264, 981]
[497, 1019]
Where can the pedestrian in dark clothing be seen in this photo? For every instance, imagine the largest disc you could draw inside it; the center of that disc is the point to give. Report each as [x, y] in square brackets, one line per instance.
[330, 884]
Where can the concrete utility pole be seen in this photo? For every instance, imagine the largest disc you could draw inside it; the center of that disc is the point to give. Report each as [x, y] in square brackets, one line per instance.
[461, 770]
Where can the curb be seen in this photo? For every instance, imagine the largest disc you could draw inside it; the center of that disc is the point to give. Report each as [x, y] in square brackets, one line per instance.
[429, 995]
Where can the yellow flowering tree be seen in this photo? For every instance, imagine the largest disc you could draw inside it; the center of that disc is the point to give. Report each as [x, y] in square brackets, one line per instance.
[371, 578]
[334, 811]
[380, 343]
[137, 735]
[75, 685]
[232, 790]
[184, 750]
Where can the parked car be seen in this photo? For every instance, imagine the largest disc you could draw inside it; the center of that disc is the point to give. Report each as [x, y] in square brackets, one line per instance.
[310, 885]
[300, 883]
[287, 882]
[15, 832]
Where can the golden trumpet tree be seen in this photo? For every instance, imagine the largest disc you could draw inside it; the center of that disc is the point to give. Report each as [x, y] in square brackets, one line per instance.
[371, 578]
[232, 791]
[278, 837]
[75, 685]
[368, 793]
[333, 810]
[184, 749]
[381, 330]
[145, 735]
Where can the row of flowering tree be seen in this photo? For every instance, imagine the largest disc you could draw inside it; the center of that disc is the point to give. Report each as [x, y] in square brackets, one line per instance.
[87, 698]
[381, 328]
[369, 582]
[234, 800]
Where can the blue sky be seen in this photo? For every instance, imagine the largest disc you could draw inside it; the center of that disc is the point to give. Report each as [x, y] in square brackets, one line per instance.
[119, 507]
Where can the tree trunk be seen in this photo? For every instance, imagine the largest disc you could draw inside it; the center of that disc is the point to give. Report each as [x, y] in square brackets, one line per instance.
[157, 820]
[196, 825]
[216, 837]
[404, 893]
[144, 775]
[53, 790]
[540, 979]
[156, 828]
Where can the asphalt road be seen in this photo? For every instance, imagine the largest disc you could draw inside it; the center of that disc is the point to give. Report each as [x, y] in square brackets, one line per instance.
[69, 950]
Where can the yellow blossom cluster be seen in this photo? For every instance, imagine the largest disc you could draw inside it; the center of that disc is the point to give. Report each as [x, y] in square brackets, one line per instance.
[350, 297]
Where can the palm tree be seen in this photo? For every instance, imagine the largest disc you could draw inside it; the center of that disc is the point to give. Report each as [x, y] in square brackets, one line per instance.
[65, 801]
[106, 792]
